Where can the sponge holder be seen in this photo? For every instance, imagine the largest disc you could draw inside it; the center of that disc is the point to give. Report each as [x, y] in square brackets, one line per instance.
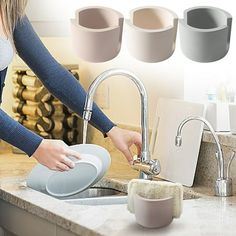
[205, 33]
[153, 213]
[151, 33]
[97, 33]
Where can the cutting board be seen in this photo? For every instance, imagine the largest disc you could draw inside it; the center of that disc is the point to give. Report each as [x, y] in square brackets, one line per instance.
[178, 164]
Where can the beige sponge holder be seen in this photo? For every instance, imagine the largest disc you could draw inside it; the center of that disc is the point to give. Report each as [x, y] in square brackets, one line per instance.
[151, 33]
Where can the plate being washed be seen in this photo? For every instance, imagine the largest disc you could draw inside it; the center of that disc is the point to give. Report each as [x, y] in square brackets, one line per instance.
[98, 152]
[67, 183]
[94, 163]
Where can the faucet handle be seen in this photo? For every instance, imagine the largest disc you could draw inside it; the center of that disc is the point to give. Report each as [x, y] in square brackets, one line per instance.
[155, 166]
[149, 167]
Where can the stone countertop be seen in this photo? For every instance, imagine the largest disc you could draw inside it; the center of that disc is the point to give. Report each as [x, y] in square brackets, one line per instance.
[203, 216]
[226, 139]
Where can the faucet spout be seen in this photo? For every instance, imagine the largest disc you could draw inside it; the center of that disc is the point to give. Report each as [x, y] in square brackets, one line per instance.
[145, 154]
[178, 141]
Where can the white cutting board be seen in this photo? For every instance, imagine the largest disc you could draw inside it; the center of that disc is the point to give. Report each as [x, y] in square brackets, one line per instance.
[178, 164]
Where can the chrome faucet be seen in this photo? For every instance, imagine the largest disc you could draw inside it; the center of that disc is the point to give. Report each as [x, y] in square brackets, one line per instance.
[144, 164]
[223, 184]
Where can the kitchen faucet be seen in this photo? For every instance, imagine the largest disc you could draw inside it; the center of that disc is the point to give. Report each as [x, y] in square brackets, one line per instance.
[146, 167]
[223, 184]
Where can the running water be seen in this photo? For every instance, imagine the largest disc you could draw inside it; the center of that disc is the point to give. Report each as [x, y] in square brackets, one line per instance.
[85, 128]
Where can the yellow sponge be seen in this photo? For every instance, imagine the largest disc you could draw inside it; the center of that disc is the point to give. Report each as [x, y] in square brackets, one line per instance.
[156, 190]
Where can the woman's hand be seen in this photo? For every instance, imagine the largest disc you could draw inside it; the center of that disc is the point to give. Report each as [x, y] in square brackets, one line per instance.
[124, 139]
[54, 154]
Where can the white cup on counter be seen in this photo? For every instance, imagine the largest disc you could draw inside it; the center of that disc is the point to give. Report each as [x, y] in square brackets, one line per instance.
[218, 115]
[232, 117]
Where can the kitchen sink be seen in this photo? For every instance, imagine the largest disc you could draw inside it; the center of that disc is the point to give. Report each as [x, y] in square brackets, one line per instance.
[95, 192]
[97, 196]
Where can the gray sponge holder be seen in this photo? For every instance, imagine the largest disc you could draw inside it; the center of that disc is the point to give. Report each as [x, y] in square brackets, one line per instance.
[205, 33]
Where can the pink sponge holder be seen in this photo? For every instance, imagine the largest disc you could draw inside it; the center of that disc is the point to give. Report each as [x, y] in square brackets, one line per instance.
[97, 33]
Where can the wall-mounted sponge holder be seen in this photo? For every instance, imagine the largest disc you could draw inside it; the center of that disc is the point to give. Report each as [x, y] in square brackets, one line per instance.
[205, 33]
[97, 33]
[151, 33]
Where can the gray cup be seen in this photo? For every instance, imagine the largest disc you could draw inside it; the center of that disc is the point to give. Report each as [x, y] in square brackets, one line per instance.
[205, 33]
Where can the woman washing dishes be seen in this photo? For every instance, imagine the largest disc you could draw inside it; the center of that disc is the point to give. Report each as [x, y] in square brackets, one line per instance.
[17, 34]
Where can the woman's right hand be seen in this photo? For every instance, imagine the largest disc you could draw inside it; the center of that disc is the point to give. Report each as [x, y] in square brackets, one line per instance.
[55, 155]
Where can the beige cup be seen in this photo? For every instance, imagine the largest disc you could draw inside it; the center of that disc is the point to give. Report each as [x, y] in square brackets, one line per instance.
[151, 33]
[153, 213]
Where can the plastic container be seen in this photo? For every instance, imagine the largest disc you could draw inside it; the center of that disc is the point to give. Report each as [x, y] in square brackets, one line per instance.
[205, 33]
[151, 33]
[97, 33]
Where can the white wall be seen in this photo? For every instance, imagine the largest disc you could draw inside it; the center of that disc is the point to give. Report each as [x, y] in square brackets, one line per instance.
[176, 77]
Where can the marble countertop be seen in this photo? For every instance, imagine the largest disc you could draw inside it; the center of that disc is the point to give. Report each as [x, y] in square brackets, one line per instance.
[207, 215]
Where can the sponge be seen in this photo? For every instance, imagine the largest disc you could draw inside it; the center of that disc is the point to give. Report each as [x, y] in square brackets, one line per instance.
[156, 190]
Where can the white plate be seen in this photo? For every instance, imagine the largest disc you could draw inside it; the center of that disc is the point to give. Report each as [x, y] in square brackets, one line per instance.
[67, 183]
[97, 151]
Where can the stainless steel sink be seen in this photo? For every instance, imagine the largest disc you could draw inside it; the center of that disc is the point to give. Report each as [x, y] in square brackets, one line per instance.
[97, 196]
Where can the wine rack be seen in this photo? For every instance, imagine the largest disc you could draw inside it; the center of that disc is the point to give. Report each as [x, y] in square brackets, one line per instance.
[38, 110]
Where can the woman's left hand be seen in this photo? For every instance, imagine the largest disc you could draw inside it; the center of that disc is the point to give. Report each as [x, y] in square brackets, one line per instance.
[124, 139]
